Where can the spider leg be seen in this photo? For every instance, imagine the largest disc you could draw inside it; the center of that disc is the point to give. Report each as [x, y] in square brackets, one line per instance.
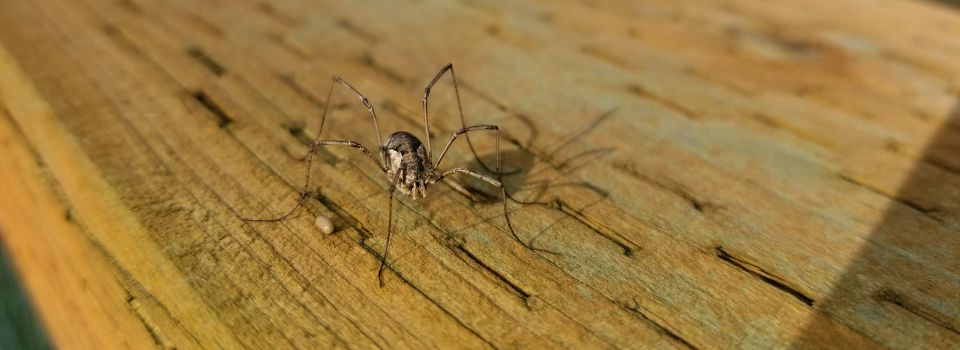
[381, 162]
[466, 130]
[463, 122]
[306, 185]
[503, 193]
[386, 248]
[496, 182]
[363, 99]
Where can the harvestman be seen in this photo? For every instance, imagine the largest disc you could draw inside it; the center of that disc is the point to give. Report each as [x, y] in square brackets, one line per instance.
[404, 160]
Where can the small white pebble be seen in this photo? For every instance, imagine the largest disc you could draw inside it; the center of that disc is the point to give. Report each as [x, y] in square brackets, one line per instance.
[324, 224]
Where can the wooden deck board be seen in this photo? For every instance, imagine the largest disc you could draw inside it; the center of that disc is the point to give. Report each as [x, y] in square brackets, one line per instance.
[723, 174]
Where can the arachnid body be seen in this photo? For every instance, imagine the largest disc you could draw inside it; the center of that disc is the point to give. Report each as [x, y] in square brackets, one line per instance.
[406, 161]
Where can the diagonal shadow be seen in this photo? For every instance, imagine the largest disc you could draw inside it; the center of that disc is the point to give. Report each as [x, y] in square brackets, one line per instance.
[902, 290]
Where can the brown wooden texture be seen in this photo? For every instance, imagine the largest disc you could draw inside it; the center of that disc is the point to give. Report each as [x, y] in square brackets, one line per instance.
[713, 174]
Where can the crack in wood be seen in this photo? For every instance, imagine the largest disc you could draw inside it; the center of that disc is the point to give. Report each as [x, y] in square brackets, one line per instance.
[942, 165]
[925, 312]
[292, 83]
[296, 130]
[471, 259]
[640, 91]
[629, 248]
[697, 204]
[282, 42]
[198, 22]
[270, 12]
[117, 37]
[926, 211]
[205, 60]
[775, 123]
[637, 310]
[607, 57]
[368, 60]
[349, 27]
[18, 130]
[763, 275]
[148, 324]
[211, 106]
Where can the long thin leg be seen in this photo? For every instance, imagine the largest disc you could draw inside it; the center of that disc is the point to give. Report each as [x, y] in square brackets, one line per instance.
[465, 130]
[463, 121]
[496, 182]
[366, 103]
[356, 145]
[503, 193]
[306, 185]
[381, 162]
[386, 248]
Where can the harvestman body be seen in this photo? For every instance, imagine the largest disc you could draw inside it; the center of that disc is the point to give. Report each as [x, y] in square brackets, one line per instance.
[404, 159]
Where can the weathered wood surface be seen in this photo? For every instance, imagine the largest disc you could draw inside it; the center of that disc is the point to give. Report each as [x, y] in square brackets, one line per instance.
[714, 174]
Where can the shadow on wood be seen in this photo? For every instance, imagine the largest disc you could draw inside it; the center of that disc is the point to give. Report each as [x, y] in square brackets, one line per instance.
[897, 282]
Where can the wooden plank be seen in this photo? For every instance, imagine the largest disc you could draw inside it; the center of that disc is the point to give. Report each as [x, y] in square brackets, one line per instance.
[717, 174]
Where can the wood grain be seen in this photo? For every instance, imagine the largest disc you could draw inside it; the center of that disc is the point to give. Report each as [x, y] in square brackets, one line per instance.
[713, 174]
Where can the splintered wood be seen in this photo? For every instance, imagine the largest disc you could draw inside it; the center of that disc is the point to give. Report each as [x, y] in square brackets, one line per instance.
[711, 174]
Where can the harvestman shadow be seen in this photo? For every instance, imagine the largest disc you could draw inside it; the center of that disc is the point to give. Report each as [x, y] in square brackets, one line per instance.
[518, 181]
[521, 159]
[864, 280]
